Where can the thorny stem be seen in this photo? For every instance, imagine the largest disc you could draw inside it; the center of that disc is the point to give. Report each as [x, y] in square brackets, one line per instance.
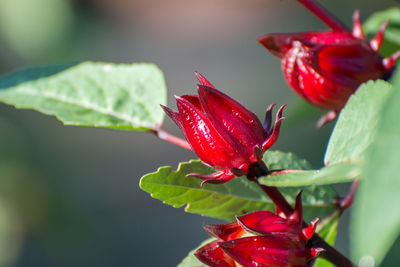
[163, 135]
[330, 253]
[324, 15]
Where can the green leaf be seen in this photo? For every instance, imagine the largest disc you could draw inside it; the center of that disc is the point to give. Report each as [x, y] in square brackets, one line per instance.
[119, 96]
[32, 73]
[332, 174]
[277, 160]
[392, 33]
[355, 129]
[235, 197]
[376, 217]
[328, 233]
[190, 260]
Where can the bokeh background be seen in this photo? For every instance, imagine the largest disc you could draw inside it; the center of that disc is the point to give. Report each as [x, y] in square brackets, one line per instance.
[69, 196]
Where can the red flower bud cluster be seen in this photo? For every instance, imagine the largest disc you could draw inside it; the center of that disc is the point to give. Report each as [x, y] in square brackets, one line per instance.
[325, 68]
[223, 133]
[260, 239]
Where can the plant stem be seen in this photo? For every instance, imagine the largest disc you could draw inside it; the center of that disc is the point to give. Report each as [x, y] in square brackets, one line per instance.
[324, 15]
[346, 202]
[163, 135]
[330, 253]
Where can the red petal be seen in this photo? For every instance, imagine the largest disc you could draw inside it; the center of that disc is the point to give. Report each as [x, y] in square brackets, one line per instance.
[206, 142]
[297, 215]
[356, 61]
[268, 223]
[357, 26]
[212, 255]
[301, 73]
[376, 42]
[194, 100]
[266, 251]
[326, 38]
[278, 44]
[175, 116]
[309, 230]
[229, 116]
[202, 80]
[224, 231]
[388, 62]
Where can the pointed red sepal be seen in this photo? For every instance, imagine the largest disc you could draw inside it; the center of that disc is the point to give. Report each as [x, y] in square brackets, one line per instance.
[376, 42]
[218, 177]
[297, 215]
[388, 62]
[202, 80]
[357, 27]
[175, 116]
[268, 118]
[212, 255]
[276, 43]
[194, 100]
[230, 117]
[279, 212]
[224, 231]
[309, 230]
[316, 251]
[273, 136]
[205, 140]
[265, 251]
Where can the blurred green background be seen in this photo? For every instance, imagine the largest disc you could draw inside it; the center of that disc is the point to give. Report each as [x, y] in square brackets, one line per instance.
[69, 196]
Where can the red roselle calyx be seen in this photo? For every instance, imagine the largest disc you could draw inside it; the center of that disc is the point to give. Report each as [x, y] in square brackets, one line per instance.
[325, 68]
[223, 133]
[260, 238]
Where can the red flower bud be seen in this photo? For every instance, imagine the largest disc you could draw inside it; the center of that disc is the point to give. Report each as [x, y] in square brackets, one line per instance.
[260, 238]
[325, 68]
[223, 133]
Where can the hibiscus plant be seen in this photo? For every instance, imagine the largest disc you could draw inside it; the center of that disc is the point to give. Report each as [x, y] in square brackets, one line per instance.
[263, 195]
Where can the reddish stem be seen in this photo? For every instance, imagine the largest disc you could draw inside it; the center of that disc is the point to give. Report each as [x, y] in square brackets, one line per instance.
[163, 135]
[324, 15]
[284, 171]
[346, 202]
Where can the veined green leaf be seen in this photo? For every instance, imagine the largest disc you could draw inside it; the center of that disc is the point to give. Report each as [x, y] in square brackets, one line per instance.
[119, 96]
[236, 197]
[357, 123]
[376, 217]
